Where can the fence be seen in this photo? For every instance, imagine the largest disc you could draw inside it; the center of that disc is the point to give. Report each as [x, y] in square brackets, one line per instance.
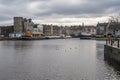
[113, 42]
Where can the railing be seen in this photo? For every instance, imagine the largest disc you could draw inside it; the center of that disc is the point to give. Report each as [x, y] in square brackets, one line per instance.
[113, 42]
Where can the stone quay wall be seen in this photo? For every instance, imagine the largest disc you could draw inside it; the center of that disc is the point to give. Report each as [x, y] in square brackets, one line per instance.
[112, 53]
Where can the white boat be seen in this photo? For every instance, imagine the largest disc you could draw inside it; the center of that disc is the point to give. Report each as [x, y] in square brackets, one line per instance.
[85, 36]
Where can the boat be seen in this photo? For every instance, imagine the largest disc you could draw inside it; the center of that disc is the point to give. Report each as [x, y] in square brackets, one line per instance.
[26, 38]
[85, 36]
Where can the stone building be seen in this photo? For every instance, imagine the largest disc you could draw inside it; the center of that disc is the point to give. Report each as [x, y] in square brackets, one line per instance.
[18, 24]
[56, 30]
[76, 29]
[101, 28]
[28, 25]
[51, 30]
[47, 30]
[22, 24]
[6, 30]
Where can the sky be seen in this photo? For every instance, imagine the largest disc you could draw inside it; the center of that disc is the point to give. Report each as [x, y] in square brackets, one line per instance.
[60, 12]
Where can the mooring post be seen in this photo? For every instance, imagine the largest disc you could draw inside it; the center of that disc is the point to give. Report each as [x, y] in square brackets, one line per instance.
[106, 42]
[111, 42]
[118, 43]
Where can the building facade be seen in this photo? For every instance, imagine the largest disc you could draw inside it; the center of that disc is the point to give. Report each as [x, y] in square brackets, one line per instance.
[37, 31]
[22, 24]
[6, 30]
[28, 25]
[18, 24]
[47, 30]
[89, 29]
[51, 30]
[75, 30]
[113, 28]
[101, 28]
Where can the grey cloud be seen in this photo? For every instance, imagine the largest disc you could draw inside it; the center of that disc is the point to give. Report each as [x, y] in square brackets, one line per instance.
[88, 8]
[91, 8]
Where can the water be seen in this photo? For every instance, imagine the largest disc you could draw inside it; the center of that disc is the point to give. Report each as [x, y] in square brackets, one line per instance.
[64, 59]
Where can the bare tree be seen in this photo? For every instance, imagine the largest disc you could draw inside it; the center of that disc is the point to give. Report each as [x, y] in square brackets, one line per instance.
[114, 23]
[115, 19]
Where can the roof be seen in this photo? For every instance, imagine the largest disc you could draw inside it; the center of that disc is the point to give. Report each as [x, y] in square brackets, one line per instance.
[102, 24]
[114, 25]
[89, 26]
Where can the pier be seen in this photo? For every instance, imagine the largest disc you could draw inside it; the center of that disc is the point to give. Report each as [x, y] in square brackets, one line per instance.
[112, 50]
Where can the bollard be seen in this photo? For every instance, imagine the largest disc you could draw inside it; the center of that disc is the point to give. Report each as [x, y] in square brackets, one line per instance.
[111, 42]
[106, 42]
[118, 43]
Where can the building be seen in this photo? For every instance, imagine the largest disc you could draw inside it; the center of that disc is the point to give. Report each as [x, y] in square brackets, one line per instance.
[6, 30]
[15, 34]
[18, 24]
[89, 29]
[113, 28]
[51, 30]
[22, 24]
[47, 30]
[28, 25]
[56, 30]
[101, 28]
[37, 31]
[64, 31]
[76, 29]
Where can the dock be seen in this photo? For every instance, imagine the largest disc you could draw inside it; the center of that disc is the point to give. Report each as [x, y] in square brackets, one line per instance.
[112, 50]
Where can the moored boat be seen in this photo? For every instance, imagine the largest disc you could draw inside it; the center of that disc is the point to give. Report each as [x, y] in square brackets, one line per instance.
[85, 36]
[26, 38]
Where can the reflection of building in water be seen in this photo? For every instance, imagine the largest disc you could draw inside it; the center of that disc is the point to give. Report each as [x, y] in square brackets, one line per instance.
[22, 45]
[19, 45]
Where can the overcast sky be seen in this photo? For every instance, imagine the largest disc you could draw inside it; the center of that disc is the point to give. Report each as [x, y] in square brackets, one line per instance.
[62, 12]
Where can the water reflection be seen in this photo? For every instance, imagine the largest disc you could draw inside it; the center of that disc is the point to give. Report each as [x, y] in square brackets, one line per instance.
[105, 70]
[65, 59]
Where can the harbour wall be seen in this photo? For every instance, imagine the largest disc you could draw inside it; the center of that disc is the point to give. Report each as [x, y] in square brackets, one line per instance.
[112, 53]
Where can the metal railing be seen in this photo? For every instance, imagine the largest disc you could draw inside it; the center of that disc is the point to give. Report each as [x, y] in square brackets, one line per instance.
[113, 42]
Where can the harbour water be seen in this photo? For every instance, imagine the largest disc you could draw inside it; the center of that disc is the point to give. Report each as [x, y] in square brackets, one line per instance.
[61, 59]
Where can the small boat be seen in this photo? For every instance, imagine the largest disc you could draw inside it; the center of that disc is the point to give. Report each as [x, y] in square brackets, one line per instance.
[85, 36]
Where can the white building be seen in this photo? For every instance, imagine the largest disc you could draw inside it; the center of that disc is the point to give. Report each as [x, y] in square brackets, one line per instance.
[15, 35]
[89, 29]
[37, 31]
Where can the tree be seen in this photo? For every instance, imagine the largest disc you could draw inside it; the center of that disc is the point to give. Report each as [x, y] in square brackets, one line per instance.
[114, 24]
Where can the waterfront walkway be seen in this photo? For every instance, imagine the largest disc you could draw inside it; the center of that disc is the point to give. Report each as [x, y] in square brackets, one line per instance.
[113, 42]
